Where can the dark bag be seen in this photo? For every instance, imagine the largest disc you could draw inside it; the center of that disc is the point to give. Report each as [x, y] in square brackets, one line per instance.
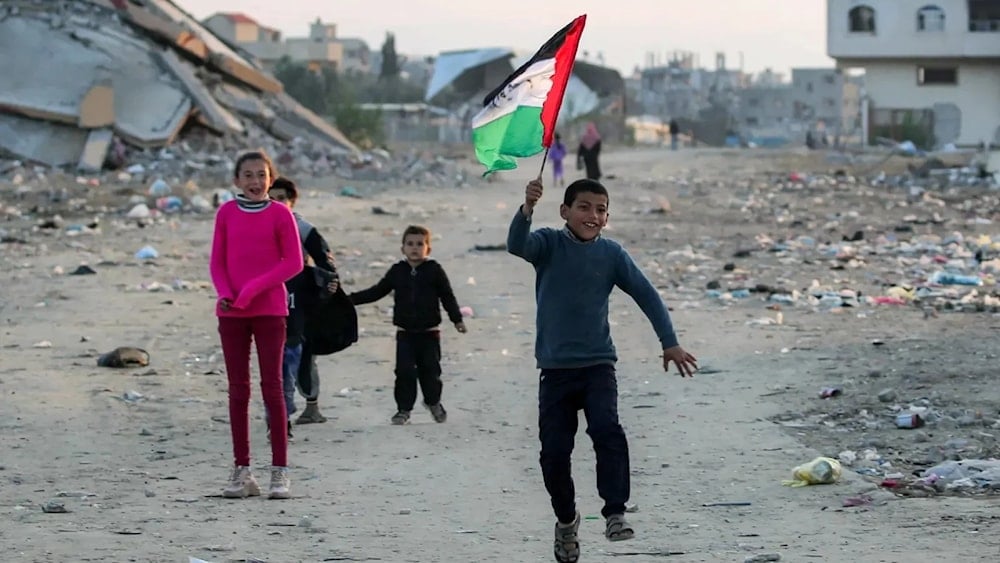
[331, 322]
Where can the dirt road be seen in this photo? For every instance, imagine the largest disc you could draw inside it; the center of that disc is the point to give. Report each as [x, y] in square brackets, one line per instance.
[138, 457]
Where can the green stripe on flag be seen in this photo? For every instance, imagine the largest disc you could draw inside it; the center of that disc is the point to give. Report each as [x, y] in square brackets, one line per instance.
[516, 134]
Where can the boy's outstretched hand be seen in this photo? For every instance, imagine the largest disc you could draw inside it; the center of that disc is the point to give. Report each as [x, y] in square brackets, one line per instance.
[532, 194]
[686, 363]
[460, 327]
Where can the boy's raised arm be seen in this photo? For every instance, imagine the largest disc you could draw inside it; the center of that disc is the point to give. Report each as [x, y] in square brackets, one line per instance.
[520, 240]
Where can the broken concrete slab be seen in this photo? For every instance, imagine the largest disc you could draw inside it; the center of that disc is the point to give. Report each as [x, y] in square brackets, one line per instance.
[150, 104]
[212, 114]
[242, 101]
[219, 54]
[97, 108]
[95, 151]
[49, 143]
[162, 28]
[53, 95]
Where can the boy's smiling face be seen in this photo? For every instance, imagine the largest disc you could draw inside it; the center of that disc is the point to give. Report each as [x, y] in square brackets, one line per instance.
[587, 215]
[416, 248]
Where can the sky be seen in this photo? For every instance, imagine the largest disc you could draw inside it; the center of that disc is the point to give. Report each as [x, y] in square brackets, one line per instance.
[776, 34]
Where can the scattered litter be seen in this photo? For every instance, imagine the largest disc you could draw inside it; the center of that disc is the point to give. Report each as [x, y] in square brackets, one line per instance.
[909, 420]
[490, 247]
[820, 471]
[147, 253]
[54, 507]
[124, 357]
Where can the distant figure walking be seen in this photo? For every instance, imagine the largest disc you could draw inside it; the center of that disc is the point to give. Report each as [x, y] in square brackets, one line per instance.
[587, 156]
[675, 131]
[556, 154]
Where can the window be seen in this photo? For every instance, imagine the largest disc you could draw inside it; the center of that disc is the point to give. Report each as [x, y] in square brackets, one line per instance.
[930, 18]
[861, 19]
[830, 102]
[830, 78]
[809, 87]
[929, 76]
[984, 16]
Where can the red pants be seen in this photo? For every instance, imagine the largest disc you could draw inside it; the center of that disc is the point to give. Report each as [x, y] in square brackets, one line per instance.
[268, 333]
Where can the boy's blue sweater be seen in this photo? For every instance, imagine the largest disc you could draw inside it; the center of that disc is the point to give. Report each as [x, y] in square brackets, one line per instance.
[573, 282]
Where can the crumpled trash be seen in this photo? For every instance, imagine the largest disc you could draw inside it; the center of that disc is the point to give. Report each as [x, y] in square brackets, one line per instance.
[124, 357]
[159, 188]
[147, 253]
[170, 204]
[965, 474]
[820, 471]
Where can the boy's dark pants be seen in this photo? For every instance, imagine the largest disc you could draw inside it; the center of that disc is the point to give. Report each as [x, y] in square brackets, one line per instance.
[561, 393]
[418, 358]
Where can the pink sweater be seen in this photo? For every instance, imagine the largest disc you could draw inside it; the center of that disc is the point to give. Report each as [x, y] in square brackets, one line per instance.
[253, 253]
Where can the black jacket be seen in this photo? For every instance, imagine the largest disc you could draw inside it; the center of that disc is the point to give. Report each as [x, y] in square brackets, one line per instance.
[328, 322]
[418, 294]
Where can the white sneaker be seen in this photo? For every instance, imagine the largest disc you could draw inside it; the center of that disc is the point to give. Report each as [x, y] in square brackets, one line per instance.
[280, 483]
[241, 484]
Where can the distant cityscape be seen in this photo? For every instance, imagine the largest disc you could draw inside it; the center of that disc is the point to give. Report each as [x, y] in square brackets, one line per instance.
[890, 80]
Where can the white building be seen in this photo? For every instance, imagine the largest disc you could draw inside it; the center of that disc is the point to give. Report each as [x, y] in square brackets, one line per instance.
[932, 67]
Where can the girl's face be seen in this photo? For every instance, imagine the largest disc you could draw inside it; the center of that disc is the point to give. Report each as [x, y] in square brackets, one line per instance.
[253, 179]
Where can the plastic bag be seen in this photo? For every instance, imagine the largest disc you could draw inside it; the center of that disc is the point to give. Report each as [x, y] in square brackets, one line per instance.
[820, 471]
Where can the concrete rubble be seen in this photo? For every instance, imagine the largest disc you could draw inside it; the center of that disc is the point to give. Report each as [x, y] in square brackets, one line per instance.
[124, 78]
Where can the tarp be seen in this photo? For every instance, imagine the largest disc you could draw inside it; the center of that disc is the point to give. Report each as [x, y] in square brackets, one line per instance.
[449, 66]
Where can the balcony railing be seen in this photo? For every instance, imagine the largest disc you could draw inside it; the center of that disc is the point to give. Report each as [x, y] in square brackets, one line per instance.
[984, 25]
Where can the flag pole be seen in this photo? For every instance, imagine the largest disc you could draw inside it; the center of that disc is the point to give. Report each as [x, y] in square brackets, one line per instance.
[545, 157]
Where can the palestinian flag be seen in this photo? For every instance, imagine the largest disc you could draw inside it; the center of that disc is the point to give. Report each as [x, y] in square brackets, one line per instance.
[518, 118]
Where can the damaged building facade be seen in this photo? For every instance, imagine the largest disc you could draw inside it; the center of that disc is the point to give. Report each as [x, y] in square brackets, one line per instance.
[720, 104]
[136, 74]
[932, 67]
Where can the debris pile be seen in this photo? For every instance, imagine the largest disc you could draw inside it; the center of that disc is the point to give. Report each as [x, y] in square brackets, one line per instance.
[141, 83]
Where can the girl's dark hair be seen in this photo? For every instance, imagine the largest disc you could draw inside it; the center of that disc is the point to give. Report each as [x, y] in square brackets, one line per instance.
[254, 155]
[282, 183]
[584, 185]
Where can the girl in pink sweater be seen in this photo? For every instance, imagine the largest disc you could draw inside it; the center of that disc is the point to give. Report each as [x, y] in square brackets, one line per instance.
[255, 249]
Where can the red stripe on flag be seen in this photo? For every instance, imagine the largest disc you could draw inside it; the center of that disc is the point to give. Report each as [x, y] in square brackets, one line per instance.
[565, 57]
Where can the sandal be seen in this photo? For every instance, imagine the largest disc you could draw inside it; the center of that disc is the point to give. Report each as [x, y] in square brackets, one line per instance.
[567, 544]
[618, 529]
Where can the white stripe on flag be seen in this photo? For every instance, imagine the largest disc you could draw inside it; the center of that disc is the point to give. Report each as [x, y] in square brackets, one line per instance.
[529, 88]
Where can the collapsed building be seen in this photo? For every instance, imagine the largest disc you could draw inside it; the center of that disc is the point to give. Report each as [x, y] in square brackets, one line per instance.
[82, 81]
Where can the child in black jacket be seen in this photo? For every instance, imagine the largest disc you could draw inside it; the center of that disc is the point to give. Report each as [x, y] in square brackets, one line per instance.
[420, 287]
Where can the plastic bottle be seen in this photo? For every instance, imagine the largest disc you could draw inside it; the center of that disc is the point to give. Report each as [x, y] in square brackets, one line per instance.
[950, 278]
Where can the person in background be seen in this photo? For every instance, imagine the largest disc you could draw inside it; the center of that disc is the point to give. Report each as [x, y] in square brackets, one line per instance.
[589, 152]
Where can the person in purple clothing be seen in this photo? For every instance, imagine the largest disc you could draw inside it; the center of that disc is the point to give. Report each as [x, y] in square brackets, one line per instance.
[557, 152]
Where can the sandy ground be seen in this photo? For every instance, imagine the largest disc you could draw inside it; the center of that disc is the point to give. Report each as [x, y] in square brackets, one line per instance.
[140, 477]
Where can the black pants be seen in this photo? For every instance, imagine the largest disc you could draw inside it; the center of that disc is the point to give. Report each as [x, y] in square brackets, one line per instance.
[418, 358]
[307, 379]
[561, 394]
